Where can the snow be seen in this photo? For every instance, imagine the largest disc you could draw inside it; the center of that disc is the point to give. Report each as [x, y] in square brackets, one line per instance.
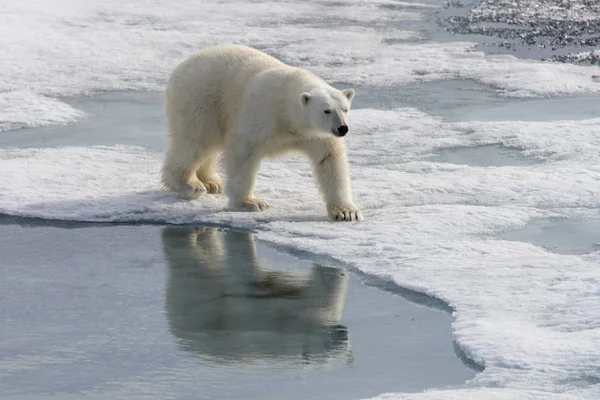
[25, 109]
[528, 315]
[71, 47]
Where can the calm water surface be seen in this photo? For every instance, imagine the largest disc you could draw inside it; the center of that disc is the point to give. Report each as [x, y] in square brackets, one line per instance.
[195, 312]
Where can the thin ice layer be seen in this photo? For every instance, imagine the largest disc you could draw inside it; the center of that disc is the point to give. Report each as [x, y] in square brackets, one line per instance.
[528, 315]
[25, 109]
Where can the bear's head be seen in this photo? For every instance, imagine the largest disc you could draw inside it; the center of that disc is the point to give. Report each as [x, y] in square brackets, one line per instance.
[326, 110]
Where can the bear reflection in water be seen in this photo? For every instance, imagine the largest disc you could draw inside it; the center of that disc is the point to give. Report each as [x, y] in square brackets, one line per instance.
[223, 304]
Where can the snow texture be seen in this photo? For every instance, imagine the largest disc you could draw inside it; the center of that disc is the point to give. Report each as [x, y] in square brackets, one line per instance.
[528, 315]
[70, 47]
[24, 109]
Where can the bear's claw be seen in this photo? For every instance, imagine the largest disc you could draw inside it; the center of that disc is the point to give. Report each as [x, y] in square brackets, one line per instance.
[213, 187]
[345, 213]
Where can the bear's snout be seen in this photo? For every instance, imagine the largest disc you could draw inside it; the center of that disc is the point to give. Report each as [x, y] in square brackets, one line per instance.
[342, 130]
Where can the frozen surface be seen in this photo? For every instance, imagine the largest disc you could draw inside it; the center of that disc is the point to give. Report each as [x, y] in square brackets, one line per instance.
[72, 47]
[526, 313]
[171, 312]
[22, 109]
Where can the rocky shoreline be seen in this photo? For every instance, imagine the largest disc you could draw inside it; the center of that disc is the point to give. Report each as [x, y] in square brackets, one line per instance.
[554, 30]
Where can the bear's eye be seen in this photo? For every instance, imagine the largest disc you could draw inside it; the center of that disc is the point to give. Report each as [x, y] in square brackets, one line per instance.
[327, 111]
[345, 110]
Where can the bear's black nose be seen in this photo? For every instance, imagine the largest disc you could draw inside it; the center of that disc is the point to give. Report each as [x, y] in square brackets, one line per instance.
[342, 130]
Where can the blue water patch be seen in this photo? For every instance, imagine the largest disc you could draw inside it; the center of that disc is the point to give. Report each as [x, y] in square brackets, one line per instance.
[467, 100]
[484, 156]
[176, 311]
[115, 118]
[560, 236]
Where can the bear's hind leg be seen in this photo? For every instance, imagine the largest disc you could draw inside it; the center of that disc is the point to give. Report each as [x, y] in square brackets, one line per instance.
[179, 170]
[207, 173]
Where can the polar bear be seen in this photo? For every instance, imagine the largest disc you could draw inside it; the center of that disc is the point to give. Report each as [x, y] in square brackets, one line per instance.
[245, 105]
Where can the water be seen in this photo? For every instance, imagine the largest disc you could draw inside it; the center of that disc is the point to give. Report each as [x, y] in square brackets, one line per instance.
[561, 236]
[483, 156]
[196, 312]
[467, 100]
[124, 118]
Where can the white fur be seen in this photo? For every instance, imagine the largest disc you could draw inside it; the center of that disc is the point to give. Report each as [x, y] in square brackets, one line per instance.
[248, 105]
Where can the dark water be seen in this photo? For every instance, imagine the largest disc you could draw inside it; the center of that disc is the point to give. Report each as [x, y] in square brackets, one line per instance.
[199, 313]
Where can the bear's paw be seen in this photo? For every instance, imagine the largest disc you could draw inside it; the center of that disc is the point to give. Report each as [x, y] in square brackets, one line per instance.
[344, 212]
[193, 190]
[250, 204]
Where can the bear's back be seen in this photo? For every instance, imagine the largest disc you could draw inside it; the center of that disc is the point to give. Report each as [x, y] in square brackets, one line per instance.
[215, 79]
[226, 63]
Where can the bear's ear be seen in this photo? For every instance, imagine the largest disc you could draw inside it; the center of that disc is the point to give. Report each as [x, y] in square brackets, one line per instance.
[305, 98]
[349, 93]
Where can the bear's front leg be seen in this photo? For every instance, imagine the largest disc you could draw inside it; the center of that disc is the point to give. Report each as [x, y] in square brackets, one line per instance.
[242, 166]
[330, 166]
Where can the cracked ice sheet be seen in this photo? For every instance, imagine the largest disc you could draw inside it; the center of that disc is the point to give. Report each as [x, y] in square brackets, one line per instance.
[528, 315]
[69, 47]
